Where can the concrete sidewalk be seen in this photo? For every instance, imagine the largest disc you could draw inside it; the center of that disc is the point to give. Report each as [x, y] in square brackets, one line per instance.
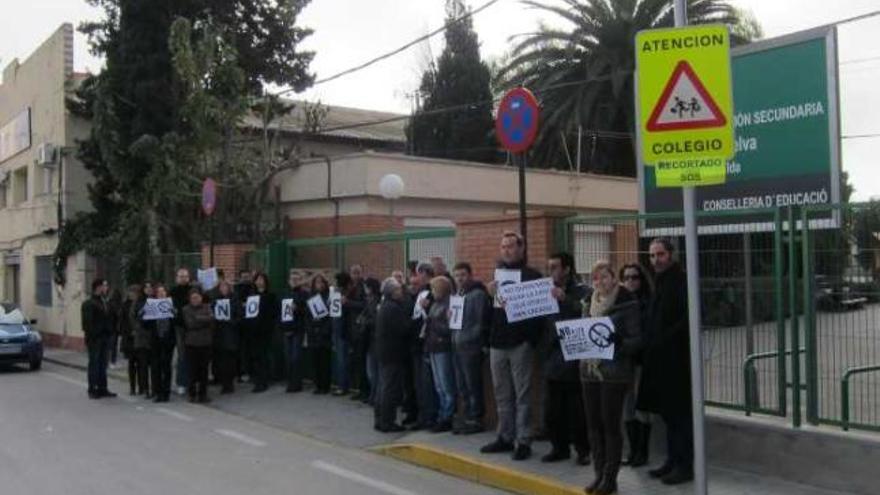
[349, 423]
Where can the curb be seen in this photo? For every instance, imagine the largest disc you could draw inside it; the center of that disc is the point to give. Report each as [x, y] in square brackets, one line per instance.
[81, 367]
[476, 471]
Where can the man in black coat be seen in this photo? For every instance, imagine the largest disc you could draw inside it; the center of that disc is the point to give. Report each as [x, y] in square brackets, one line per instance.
[180, 297]
[511, 358]
[392, 341]
[97, 325]
[564, 419]
[666, 376]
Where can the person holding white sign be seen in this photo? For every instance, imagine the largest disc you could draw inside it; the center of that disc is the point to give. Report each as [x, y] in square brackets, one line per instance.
[226, 344]
[564, 419]
[606, 382]
[320, 333]
[467, 346]
[511, 357]
[163, 340]
[259, 325]
[293, 326]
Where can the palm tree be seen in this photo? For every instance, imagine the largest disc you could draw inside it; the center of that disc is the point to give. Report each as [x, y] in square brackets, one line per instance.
[583, 74]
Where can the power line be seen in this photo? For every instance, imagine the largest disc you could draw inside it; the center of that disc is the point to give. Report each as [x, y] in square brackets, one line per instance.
[403, 48]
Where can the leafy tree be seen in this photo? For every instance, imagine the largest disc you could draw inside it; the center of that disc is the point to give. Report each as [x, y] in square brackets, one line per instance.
[165, 111]
[458, 78]
[583, 74]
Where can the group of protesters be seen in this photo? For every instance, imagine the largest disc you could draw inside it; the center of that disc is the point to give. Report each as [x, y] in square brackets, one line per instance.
[393, 344]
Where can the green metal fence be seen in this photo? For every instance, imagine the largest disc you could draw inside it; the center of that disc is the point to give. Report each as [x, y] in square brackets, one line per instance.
[790, 315]
[841, 292]
[742, 290]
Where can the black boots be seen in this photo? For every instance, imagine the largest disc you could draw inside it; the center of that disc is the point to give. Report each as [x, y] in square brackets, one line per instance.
[639, 435]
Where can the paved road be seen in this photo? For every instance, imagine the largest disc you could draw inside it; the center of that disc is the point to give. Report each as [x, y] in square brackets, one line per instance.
[54, 440]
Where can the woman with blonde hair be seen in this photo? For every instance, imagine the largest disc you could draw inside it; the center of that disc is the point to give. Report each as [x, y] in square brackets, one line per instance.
[438, 345]
[605, 383]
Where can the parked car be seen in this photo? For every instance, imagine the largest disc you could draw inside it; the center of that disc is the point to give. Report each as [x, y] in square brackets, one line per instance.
[19, 342]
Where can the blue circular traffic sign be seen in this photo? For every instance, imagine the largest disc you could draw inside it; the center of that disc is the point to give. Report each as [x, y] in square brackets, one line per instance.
[516, 124]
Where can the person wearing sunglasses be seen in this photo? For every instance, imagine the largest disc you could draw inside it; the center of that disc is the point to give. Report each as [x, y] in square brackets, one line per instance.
[634, 277]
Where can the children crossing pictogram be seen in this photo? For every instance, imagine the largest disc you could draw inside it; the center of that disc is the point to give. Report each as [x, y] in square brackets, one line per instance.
[685, 104]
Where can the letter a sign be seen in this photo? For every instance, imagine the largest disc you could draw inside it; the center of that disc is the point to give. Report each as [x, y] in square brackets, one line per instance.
[684, 103]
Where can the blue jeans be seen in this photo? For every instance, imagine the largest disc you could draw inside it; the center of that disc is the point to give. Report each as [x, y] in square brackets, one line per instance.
[97, 371]
[469, 380]
[293, 344]
[340, 354]
[444, 384]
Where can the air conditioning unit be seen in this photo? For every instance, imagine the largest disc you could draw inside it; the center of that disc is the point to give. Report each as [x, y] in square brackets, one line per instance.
[46, 154]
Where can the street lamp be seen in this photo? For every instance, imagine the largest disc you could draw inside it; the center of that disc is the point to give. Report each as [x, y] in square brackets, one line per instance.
[391, 187]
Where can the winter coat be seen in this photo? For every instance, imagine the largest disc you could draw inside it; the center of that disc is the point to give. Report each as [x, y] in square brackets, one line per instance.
[179, 295]
[141, 335]
[506, 335]
[366, 322]
[393, 337]
[320, 331]
[299, 325]
[97, 320]
[665, 386]
[198, 324]
[226, 333]
[355, 301]
[262, 327]
[126, 330]
[438, 336]
[476, 319]
[627, 319]
[554, 365]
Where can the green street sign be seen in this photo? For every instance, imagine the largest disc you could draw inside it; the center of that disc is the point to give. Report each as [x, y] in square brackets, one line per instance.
[787, 135]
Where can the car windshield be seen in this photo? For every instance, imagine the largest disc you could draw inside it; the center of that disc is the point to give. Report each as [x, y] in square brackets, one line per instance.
[14, 317]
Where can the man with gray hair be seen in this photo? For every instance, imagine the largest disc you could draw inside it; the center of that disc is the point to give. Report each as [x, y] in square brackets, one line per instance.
[392, 341]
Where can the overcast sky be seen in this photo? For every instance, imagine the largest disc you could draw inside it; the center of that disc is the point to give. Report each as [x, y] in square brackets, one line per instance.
[348, 32]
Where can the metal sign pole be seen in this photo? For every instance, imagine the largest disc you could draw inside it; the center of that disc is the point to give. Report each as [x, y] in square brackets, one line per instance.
[693, 281]
[522, 205]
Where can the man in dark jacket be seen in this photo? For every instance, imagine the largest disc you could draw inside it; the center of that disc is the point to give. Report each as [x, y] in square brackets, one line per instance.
[666, 376]
[564, 419]
[468, 344]
[511, 356]
[97, 325]
[179, 296]
[423, 377]
[294, 326]
[353, 303]
[392, 341]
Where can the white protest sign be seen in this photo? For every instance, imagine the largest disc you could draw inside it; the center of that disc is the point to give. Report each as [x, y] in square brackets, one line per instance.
[159, 309]
[252, 307]
[222, 310]
[456, 310]
[504, 276]
[335, 301]
[528, 299]
[317, 307]
[586, 338]
[208, 278]
[287, 307]
[418, 310]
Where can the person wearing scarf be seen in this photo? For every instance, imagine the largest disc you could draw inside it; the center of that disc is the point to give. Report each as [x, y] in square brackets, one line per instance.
[605, 382]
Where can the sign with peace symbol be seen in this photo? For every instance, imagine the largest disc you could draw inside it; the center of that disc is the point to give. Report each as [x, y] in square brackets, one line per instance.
[516, 124]
[600, 335]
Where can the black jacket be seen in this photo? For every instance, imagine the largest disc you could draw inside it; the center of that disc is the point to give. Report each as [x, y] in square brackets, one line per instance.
[508, 335]
[263, 326]
[392, 338]
[355, 301]
[666, 379]
[366, 322]
[320, 332]
[438, 336]
[555, 367]
[476, 319]
[226, 333]
[299, 325]
[180, 297]
[97, 319]
[626, 315]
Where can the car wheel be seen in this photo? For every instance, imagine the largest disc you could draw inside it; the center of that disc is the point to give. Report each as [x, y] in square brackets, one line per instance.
[36, 365]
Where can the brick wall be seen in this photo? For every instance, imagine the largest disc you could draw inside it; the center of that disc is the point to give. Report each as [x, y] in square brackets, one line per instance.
[227, 257]
[307, 228]
[477, 241]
